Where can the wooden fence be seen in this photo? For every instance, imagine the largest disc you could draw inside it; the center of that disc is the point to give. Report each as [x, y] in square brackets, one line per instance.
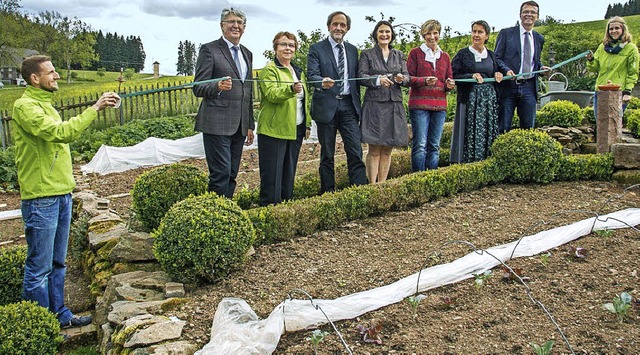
[165, 101]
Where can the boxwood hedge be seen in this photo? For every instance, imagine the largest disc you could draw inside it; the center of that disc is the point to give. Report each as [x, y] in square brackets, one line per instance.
[155, 191]
[26, 329]
[12, 261]
[202, 238]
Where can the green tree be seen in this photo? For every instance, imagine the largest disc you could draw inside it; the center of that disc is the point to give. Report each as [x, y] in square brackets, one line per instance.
[10, 6]
[134, 53]
[45, 31]
[74, 44]
[568, 41]
[11, 31]
[407, 34]
[190, 57]
[128, 73]
[180, 70]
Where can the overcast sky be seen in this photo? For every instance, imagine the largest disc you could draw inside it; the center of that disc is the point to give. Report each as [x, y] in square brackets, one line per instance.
[161, 24]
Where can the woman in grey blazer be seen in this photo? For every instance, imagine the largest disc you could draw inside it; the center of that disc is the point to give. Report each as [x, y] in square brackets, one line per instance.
[384, 120]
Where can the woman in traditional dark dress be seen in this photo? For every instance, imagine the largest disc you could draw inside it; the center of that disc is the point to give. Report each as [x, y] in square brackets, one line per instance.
[476, 122]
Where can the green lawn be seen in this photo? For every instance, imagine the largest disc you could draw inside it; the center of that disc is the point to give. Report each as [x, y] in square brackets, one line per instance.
[79, 88]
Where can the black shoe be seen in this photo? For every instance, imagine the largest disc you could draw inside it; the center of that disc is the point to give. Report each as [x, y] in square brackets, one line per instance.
[77, 321]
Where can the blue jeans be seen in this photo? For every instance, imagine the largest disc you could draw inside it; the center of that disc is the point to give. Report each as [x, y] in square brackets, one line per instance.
[426, 126]
[46, 224]
[521, 96]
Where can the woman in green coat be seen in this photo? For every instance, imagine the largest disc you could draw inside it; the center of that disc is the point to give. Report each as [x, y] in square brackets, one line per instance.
[283, 122]
[615, 60]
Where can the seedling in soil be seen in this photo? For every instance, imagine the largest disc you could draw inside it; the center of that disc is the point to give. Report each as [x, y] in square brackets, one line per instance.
[414, 301]
[448, 302]
[372, 334]
[544, 349]
[605, 233]
[619, 306]
[480, 278]
[434, 259]
[508, 275]
[544, 258]
[316, 337]
[578, 253]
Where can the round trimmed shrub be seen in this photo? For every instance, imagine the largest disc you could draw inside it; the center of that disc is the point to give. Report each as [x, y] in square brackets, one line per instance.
[589, 115]
[202, 238]
[155, 191]
[561, 113]
[634, 103]
[447, 133]
[12, 261]
[26, 328]
[633, 121]
[527, 156]
[628, 113]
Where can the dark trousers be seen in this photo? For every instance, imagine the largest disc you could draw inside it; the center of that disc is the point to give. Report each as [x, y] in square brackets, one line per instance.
[278, 162]
[346, 122]
[518, 96]
[223, 155]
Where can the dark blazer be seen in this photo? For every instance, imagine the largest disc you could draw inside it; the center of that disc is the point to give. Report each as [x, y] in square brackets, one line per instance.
[221, 112]
[320, 64]
[372, 65]
[509, 53]
[463, 67]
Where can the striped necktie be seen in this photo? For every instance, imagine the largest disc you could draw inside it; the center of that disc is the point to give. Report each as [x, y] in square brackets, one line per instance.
[236, 59]
[341, 66]
[526, 54]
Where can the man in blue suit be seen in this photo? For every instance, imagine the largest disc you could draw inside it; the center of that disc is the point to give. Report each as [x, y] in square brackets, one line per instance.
[518, 48]
[336, 101]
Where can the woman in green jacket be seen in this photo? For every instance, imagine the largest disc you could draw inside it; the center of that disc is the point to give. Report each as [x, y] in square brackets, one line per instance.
[283, 122]
[615, 60]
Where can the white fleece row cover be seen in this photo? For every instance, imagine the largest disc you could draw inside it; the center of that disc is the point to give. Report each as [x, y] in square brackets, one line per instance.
[236, 328]
[153, 152]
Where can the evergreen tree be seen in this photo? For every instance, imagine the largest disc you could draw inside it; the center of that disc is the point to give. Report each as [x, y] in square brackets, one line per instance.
[190, 57]
[180, 64]
[139, 55]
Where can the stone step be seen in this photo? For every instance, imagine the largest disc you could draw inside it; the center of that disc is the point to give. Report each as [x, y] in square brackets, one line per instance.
[78, 336]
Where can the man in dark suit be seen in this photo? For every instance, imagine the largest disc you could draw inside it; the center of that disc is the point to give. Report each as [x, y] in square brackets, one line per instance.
[518, 49]
[336, 101]
[225, 116]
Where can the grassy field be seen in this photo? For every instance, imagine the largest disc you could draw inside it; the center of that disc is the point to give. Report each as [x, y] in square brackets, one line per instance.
[84, 87]
[633, 22]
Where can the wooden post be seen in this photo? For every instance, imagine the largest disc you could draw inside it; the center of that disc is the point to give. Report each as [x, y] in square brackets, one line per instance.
[2, 134]
[609, 123]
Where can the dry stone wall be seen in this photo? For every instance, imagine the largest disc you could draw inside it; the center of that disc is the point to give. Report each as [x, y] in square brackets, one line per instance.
[135, 299]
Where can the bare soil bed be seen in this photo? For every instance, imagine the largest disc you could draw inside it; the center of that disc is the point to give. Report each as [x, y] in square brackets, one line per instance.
[497, 318]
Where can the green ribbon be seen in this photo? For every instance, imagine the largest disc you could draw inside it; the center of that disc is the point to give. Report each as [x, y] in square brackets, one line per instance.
[189, 85]
[507, 77]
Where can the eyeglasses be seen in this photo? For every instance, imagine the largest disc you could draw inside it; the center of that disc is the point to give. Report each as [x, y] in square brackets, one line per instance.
[234, 22]
[285, 45]
[528, 12]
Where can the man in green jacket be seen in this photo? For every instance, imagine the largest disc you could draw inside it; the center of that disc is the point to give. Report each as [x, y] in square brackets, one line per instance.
[45, 175]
